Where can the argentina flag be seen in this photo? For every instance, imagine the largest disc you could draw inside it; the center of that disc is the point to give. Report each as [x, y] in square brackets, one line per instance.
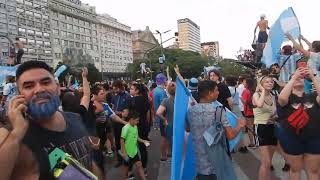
[286, 23]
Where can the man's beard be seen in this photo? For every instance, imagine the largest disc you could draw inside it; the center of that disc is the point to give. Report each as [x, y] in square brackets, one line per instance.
[44, 110]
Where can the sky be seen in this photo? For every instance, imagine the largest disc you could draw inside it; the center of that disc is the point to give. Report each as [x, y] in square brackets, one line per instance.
[231, 22]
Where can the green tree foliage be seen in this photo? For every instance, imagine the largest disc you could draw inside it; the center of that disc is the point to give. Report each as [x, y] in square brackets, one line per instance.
[230, 67]
[191, 63]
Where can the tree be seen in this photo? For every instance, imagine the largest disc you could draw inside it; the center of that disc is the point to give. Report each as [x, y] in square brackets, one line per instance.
[230, 67]
[191, 63]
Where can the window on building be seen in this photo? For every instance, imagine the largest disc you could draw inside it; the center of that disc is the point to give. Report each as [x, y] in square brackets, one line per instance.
[47, 52]
[62, 24]
[95, 48]
[71, 43]
[55, 31]
[76, 28]
[30, 31]
[63, 33]
[56, 41]
[77, 44]
[88, 38]
[94, 25]
[46, 34]
[81, 29]
[86, 23]
[30, 50]
[77, 36]
[55, 14]
[69, 26]
[62, 16]
[45, 17]
[39, 42]
[95, 40]
[54, 23]
[75, 20]
[23, 40]
[47, 44]
[57, 55]
[28, 3]
[29, 13]
[94, 33]
[31, 41]
[87, 31]
[38, 33]
[70, 35]
[69, 18]
[89, 46]
[64, 43]
[22, 30]
[83, 45]
[37, 15]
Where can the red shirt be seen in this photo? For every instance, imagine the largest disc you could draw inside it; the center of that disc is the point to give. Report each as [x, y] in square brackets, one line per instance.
[247, 106]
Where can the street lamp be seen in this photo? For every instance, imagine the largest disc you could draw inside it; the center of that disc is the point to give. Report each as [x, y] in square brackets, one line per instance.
[147, 53]
[161, 43]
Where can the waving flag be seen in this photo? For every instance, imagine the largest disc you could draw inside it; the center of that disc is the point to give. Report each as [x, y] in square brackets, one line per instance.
[182, 167]
[7, 71]
[286, 23]
[233, 120]
[75, 85]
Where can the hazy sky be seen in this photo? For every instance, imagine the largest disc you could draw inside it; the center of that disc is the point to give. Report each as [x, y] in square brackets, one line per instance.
[231, 22]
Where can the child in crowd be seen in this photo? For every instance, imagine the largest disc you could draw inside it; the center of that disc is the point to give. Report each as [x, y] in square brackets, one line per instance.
[129, 146]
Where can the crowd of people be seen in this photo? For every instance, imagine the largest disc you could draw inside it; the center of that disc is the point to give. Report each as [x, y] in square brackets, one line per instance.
[42, 119]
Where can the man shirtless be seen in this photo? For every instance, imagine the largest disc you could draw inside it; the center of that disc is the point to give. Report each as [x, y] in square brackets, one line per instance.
[263, 26]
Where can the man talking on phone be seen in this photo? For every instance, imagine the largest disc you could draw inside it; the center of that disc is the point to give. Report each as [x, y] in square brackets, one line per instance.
[44, 128]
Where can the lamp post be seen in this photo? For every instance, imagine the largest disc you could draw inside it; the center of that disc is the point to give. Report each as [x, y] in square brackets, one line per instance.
[161, 43]
[149, 50]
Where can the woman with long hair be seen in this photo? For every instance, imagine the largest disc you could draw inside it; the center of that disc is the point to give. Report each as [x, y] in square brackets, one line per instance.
[265, 115]
[140, 104]
[246, 99]
[299, 128]
[165, 113]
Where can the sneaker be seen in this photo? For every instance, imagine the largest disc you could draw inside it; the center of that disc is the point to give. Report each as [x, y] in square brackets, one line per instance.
[110, 154]
[286, 168]
[130, 176]
[145, 172]
[271, 168]
[253, 146]
[118, 164]
[243, 150]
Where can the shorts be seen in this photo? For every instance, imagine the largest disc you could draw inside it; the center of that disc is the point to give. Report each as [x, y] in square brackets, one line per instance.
[162, 130]
[262, 37]
[131, 161]
[206, 177]
[294, 144]
[108, 126]
[266, 135]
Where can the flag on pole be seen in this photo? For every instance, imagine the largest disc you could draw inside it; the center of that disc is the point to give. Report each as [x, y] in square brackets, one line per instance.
[75, 85]
[182, 166]
[286, 23]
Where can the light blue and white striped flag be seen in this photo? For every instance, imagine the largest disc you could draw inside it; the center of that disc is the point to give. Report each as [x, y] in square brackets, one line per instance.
[286, 23]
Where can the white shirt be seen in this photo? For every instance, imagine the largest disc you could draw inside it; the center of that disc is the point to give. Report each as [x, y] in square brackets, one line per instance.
[9, 90]
[314, 63]
[143, 67]
[240, 90]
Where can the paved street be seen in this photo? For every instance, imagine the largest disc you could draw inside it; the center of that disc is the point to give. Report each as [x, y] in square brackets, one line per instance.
[246, 165]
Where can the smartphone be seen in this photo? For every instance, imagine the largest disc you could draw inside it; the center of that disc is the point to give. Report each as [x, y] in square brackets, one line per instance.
[302, 64]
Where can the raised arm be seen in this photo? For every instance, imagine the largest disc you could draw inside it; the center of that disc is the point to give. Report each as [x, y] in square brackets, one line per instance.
[297, 45]
[283, 98]
[306, 41]
[258, 99]
[85, 101]
[177, 70]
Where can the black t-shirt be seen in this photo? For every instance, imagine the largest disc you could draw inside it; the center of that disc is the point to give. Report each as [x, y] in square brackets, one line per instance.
[88, 119]
[141, 105]
[195, 95]
[73, 140]
[224, 94]
[312, 108]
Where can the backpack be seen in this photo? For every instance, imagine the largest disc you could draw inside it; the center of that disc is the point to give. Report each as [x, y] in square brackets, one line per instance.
[218, 148]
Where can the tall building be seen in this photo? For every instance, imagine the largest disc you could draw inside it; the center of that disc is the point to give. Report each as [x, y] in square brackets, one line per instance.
[210, 49]
[8, 27]
[189, 35]
[115, 45]
[34, 29]
[74, 32]
[142, 41]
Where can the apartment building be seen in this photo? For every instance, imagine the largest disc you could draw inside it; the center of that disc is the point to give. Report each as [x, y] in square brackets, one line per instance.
[115, 44]
[188, 35]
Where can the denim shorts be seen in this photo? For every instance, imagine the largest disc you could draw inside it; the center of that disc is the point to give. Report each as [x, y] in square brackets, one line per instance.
[295, 144]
